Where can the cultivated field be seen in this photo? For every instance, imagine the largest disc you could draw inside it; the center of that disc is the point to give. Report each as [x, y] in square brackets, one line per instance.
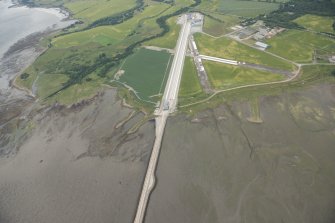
[146, 72]
[316, 23]
[224, 76]
[231, 49]
[299, 46]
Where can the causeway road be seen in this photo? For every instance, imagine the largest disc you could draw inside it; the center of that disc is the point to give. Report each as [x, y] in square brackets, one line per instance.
[167, 106]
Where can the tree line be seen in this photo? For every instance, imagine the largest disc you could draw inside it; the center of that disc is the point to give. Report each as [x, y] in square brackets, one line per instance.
[293, 9]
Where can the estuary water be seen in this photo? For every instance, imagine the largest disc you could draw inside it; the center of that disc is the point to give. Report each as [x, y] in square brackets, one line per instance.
[18, 22]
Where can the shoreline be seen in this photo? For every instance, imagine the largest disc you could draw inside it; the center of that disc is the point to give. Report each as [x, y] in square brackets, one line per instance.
[60, 9]
[24, 52]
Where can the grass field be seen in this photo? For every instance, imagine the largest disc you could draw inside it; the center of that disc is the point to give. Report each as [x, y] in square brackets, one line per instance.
[309, 75]
[316, 23]
[169, 40]
[239, 8]
[91, 10]
[101, 35]
[112, 35]
[247, 8]
[224, 76]
[231, 49]
[299, 46]
[146, 72]
[217, 28]
[190, 84]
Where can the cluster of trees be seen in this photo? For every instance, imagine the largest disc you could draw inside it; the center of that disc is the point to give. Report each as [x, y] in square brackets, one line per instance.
[24, 76]
[165, 1]
[293, 9]
[118, 18]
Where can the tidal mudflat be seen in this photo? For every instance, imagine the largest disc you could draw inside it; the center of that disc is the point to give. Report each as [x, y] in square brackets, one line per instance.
[77, 164]
[220, 167]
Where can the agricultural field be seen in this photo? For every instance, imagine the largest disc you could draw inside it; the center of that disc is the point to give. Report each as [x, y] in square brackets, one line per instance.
[146, 73]
[220, 26]
[91, 10]
[239, 8]
[223, 76]
[316, 23]
[230, 49]
[190, 84]
[298, 45]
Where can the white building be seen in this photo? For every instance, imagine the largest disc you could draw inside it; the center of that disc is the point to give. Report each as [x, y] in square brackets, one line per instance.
[261, 45]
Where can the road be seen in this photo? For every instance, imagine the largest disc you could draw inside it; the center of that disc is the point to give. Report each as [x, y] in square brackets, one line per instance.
[168, 105]
[173, 83]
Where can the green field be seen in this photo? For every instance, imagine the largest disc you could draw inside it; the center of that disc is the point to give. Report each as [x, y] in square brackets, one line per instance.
[299, 46]
[112, 35]
[91, 10]
[221, 25]
[316, 23]
[101, 35]
[239, 8]
[146, 72]
[230, 49]
[169, 40]
[190, 84]
[223, 76]
[247, 8]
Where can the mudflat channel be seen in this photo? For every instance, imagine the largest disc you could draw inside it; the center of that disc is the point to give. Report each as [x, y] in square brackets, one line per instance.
[220, 167]
[76, 164]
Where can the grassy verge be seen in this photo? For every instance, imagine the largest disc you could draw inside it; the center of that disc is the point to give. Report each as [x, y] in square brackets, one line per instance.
[190, 84]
